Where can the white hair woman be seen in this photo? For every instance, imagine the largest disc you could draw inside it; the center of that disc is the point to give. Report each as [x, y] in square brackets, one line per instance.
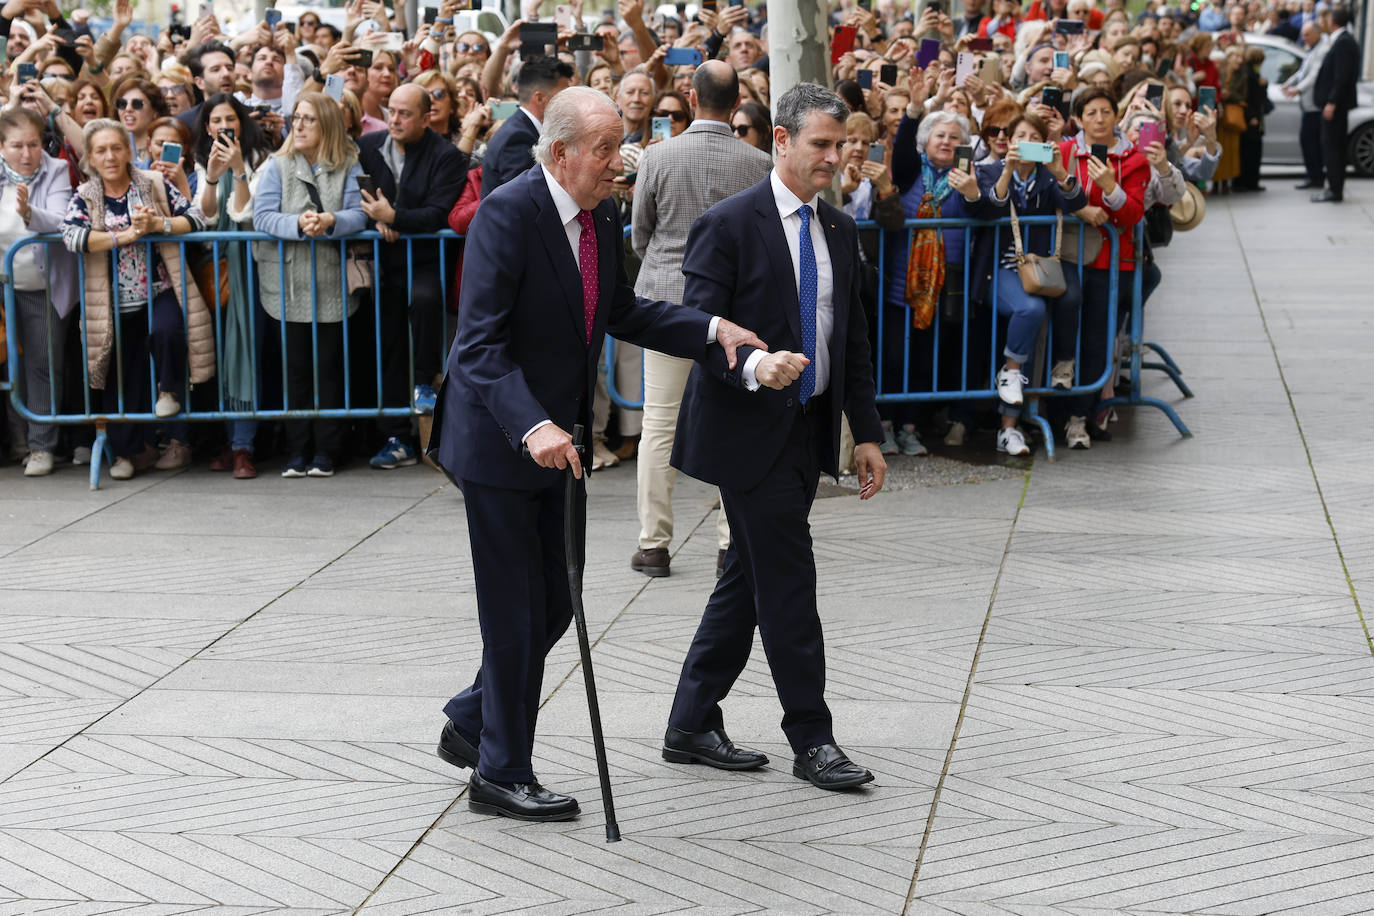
[140, 305]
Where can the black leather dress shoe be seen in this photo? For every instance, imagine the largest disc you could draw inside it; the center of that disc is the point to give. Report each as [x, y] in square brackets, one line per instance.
[525, 801]
[1326, 197]
[713, 748]
[455, 749]
[827, 767]
[1308, 185]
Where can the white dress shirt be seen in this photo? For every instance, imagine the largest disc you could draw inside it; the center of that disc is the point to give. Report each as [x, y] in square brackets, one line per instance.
[567, 214]
[789, 210]
[538, 124]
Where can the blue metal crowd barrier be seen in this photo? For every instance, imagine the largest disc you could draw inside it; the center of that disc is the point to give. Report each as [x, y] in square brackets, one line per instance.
[984, 387]
[218, 243]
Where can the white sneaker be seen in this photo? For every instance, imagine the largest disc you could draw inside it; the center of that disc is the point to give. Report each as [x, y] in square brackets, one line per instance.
[602, 457]
[908, 442]
[167, 405]
[81, 455]
[1076, 433]
[1009, 382]
[958, 432]
[889, 446]
[40, 464]
[122, 469]
[1061, 376]
[1011, 441]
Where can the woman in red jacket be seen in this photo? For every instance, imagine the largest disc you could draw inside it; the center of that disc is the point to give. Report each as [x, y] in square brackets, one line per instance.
[1116, 195]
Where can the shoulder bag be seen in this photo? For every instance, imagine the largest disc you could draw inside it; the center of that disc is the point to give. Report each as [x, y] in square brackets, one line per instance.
[1040, 276]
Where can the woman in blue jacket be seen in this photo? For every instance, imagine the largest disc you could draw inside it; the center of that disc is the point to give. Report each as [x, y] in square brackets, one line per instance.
[1034, 189]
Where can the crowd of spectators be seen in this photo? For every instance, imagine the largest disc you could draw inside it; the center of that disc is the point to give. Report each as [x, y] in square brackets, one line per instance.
[308, 132]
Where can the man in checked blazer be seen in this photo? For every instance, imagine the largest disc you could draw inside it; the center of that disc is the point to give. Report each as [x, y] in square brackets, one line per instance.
[678, 181]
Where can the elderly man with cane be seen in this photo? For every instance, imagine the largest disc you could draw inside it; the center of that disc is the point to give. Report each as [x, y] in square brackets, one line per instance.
[543, 283]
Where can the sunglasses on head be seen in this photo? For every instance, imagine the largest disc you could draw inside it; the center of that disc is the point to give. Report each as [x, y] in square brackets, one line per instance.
[477, 46]
[675, 115]
[135, 104]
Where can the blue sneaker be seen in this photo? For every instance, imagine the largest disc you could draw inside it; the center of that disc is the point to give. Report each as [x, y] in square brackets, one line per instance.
[424, 399]
[294, 468]
[395, 454]
[321, 466]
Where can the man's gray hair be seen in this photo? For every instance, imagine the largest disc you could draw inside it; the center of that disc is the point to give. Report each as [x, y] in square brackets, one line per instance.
[933, 120]
[798, 102]
[565, 119]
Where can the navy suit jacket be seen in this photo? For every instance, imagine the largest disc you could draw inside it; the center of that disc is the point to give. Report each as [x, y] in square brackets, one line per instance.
[521, 354]
[1339, 74]
[509, 153]
[737, 265]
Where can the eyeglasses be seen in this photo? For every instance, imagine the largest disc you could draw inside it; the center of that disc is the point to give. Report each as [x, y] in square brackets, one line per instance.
[303, 120]
[742, 129]
[992, 130]
[135, 103]
[309, 23]
[169, 91]
[675, 115]
[438, 95]
[476, 46]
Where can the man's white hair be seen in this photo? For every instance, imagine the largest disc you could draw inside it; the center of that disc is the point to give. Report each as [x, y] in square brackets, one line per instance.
[565, 119]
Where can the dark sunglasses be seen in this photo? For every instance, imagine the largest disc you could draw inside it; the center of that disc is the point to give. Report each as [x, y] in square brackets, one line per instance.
[135, 104]
[675, 115]
[438, 95]
[462, 46]
[993, 130]
[742, 129]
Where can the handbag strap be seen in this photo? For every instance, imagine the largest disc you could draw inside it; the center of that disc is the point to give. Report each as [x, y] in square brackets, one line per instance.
[1058, 231]
[1016, 231]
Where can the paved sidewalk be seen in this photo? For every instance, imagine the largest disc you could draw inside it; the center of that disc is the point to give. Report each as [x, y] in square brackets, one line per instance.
[1132, 681]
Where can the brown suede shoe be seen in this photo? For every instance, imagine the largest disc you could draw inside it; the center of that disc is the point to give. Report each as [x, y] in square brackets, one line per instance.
[653, 561]
[224, 460]
[146, 458]
[244, 469]
[628, 448]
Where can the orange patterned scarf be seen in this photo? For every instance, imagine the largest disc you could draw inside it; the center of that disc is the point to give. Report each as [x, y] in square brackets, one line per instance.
[925, 267]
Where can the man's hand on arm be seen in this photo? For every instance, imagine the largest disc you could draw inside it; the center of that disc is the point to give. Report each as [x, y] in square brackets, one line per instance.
[871, 468]
[731, 337]
[551, 447]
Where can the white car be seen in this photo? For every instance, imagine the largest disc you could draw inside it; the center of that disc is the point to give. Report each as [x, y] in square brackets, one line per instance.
[1282, 58]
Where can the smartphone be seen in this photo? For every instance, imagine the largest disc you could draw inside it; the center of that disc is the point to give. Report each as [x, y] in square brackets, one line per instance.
[261, 111]
[334, 86]
[864, 78]
[500, 111]
[585, 42]
[682, 57]
[540, 34]
[1035, 152]
[990, 71]
[963, 158]
[227, 135]
[888, 74]
[431, 15]
[1150, 132]
[66, 36]
[4, 49]
[1099, 152]
[206, 9]
[27, 73]
[842, 43]
[980, 45]
[361, 58]
[393, 41]
[1069, 27]
[661, 128]
[1051, 96]
[929, 52]
[171, 152]
[1154, 94]
[935, 5]
[709, 5]
[737, 2]
[629, 177]
[866, 4]
[877, 152]
[1207, 98]
[271, 17]
[964, 65]
[365, 183]
[1061, 60]
[563, 17]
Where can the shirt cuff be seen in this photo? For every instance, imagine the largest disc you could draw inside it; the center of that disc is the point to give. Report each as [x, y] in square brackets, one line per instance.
[526, 436]
[1115, 200]
[747, 373]
[711, 329]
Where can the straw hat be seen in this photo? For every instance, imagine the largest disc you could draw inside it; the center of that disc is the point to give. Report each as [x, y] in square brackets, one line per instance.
[1190, 209]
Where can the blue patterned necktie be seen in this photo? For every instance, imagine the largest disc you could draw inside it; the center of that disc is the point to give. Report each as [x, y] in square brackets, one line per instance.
[807, 297]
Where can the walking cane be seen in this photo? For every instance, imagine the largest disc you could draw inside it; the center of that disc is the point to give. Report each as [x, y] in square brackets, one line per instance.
[574, 534]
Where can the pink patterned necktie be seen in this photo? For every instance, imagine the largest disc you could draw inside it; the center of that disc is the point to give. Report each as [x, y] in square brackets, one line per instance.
[586, 262]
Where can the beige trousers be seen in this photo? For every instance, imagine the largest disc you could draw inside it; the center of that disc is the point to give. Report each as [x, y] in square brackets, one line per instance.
[627, 373]
[665, 378]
